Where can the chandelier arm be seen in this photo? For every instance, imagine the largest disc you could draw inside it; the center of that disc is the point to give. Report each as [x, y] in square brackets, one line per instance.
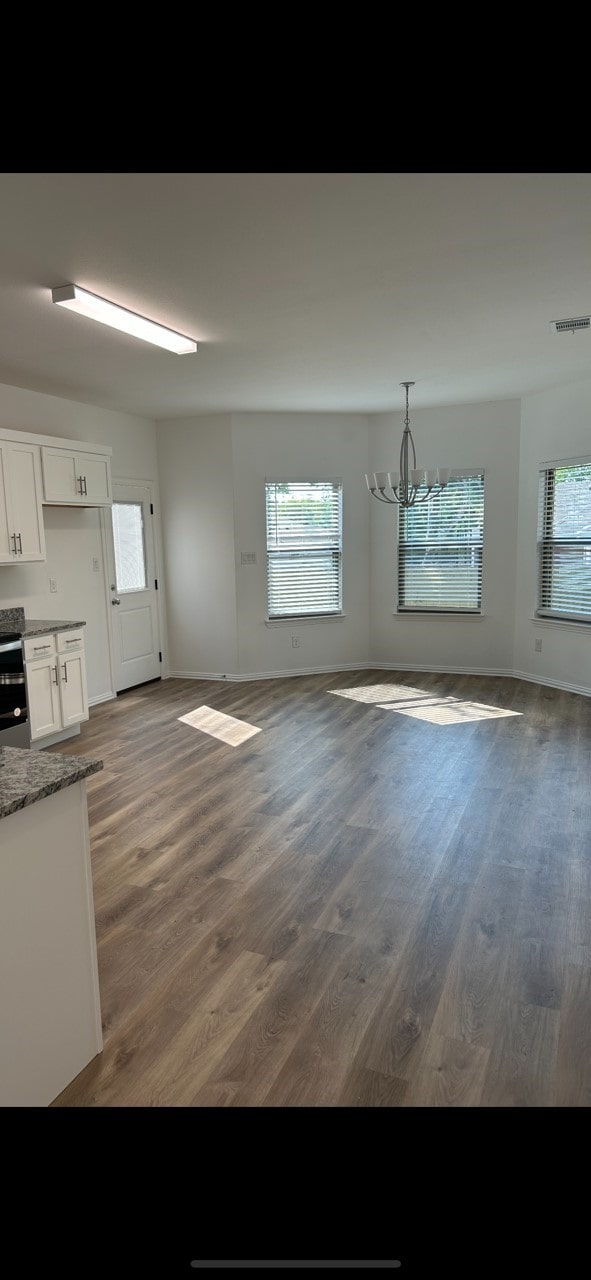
[431, 493]
[382, 498]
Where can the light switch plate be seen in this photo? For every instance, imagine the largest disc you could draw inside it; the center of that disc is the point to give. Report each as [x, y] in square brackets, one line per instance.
[248, 557]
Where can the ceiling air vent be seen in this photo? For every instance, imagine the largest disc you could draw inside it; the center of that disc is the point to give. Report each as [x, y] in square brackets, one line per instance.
[571, 326]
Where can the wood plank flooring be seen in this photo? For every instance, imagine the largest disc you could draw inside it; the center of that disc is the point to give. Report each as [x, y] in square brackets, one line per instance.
[352, 908]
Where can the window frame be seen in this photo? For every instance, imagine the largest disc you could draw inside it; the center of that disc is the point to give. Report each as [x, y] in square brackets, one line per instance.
[441, 611]
[277, 619]
[546, 541]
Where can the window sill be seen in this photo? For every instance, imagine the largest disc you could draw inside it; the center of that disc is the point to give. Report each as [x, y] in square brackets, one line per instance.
[442, 617]
[304, 620]
[561, 622]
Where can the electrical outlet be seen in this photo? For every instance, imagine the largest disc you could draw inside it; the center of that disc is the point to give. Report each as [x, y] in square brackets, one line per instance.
[53, 584]
[96, 564]
[295, 642]
[248, 557]
[538, 646]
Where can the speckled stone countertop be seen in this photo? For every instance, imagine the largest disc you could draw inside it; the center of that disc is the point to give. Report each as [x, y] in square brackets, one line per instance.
[27, 776]
[40, 627]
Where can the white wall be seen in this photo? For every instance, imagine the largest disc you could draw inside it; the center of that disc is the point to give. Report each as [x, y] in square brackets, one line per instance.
[479, 435]
[73, 536]
[555, 425]
[212, 471]
[196, 481]
[299, 446]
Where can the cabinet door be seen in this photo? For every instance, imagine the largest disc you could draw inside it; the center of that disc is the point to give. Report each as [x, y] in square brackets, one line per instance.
[76, 479]
[7, 554]
[60, 477]
[73, 692]
[25, 491]
[43, 697]
[95, 471]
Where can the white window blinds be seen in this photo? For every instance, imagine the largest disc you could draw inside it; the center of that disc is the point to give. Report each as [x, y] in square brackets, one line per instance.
[304, 547]
[440, 549]
[564, 542]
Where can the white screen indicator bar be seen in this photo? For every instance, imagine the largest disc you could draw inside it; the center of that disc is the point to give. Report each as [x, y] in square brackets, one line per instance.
[217, 1264]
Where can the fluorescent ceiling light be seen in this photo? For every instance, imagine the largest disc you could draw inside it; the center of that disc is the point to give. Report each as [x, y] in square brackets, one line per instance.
[88, 304]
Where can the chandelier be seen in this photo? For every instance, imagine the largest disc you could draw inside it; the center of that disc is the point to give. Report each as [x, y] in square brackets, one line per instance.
[406, 487]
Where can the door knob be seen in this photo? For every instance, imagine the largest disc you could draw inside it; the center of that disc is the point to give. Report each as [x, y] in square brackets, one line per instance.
[115, 602]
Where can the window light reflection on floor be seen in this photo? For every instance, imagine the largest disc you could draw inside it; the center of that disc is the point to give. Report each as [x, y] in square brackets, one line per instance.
[422, 705]
[219, 725]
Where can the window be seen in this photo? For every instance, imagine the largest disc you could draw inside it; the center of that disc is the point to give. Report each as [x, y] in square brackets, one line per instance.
[564, 542]
[128, 539]
[304, 547]
[440, 550]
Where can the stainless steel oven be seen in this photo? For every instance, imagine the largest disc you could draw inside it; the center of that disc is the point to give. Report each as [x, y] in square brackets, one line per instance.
[14, 728]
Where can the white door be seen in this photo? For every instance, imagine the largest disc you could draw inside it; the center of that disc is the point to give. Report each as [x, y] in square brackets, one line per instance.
[134, 605]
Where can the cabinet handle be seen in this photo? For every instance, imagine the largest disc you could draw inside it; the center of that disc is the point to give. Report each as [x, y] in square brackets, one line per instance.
[13, 537]
[85, 488]
[79, 482]
[55, 673]
[38, 647]
[66, 672]
[76, 641]
[20, 544]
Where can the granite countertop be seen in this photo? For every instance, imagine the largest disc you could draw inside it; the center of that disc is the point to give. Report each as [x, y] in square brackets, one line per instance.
[41, 627]
[27, 776]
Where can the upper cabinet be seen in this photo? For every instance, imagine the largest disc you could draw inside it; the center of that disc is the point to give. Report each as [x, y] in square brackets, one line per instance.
[76, 479]
[22, 536]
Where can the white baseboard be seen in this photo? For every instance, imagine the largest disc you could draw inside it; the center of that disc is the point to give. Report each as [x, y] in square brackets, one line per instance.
[553, 684]
[445, 670]
[370, 665]
[101, 697]
[269, 675]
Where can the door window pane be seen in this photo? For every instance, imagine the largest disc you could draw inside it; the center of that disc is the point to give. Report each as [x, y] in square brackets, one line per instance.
[130, 554]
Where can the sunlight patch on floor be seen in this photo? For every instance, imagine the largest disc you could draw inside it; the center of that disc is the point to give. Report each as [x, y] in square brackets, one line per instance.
[218, 725]
[422, 705]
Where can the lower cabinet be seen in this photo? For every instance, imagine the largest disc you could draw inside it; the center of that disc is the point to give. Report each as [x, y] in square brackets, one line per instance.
[56, 683]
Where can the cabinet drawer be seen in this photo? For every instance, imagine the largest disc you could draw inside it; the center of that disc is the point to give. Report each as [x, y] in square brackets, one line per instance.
[70, 641]
[38, 647]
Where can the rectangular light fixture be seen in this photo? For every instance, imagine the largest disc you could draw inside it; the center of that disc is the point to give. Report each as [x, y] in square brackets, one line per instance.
[88, 304]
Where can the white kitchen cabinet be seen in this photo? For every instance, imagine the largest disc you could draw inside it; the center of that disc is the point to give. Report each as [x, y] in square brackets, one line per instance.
[43, 697]
[50, 1014]
[73, 695]
[22, 536]
[56, 683]
[5, 521]
[76, 479]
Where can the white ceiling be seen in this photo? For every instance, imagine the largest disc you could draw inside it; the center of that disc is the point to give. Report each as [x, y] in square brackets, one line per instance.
[304, 291]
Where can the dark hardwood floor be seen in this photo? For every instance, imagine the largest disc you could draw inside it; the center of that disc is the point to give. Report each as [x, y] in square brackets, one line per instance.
[355, 907]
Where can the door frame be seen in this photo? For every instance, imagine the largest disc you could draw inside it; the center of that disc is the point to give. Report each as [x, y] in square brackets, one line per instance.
[106, 523]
